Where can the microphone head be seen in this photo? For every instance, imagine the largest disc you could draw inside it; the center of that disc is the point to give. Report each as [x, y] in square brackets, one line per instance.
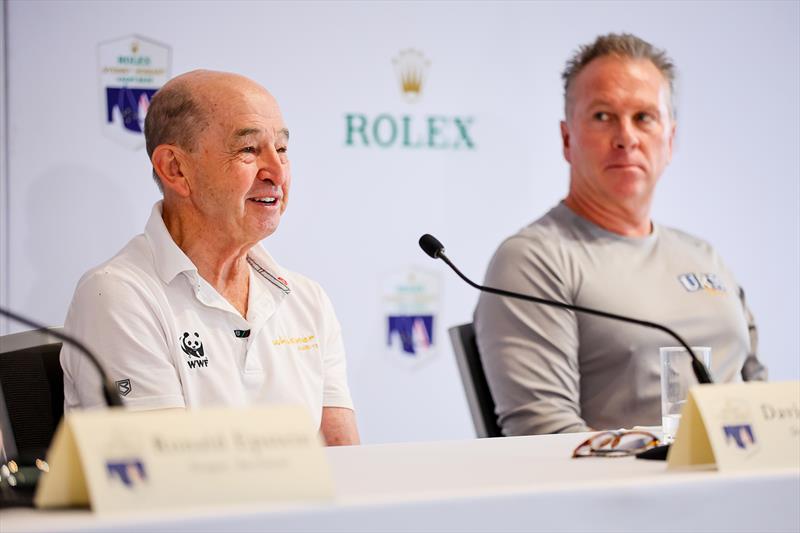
[431, 245]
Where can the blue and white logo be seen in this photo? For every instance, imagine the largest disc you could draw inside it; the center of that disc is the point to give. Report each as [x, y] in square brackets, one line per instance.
[411, 302]
[741, 435]
[132, 69]
[129, 472]
[414, 334]
[736, 422]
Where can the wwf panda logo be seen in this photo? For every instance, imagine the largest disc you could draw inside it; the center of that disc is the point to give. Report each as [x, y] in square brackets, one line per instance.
[192, 345]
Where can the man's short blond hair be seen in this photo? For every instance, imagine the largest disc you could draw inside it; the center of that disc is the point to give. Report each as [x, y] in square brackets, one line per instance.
[624, 45]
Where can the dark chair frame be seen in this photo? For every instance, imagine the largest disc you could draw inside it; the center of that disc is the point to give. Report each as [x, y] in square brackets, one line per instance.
[32, 384]
[473, 378]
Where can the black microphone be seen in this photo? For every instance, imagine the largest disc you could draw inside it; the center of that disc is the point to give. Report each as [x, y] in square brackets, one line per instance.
[431, 246]
[109, 389]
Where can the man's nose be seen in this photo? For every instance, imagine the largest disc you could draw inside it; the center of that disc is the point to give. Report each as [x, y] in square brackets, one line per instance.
[272, 167]
[625, 135]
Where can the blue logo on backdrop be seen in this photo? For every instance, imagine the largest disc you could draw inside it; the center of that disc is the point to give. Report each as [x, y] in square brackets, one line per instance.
[415, 333]
[128, 471]
[131, 69]
[128, 106]
[411, 302]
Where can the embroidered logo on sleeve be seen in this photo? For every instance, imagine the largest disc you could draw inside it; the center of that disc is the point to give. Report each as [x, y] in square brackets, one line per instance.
[123, 386]
[192, 346]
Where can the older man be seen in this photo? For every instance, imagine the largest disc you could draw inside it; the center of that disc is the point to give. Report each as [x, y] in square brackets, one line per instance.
[194, 312]
[552, 370]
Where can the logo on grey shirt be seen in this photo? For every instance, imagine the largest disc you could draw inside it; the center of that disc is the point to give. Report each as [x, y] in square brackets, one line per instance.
[694, 282]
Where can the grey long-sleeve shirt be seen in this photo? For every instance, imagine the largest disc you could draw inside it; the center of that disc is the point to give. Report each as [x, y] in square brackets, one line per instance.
[552, 370]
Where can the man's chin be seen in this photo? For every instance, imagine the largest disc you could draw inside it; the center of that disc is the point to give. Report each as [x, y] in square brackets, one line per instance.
[267, 232]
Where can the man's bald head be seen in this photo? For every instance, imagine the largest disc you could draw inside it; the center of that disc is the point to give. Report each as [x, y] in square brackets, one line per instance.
[183, 108]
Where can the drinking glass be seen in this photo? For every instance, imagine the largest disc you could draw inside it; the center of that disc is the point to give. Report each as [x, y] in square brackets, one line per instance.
[676, 378]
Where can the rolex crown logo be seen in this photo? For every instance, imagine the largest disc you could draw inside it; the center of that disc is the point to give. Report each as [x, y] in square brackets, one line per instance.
[134, 47]
[411, 68]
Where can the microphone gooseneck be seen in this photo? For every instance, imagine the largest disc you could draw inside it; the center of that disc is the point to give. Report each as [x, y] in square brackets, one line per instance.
[109, 390]
[431, 246]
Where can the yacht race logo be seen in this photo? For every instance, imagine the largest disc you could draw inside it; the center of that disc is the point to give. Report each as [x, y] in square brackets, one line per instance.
[736, 425]
[414, 334]
[740, 434]
[129, 472]
[411, 301]
[131, 70]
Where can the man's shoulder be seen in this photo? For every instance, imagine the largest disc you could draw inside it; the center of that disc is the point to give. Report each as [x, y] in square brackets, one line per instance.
[132, 264]
[679, 238]
[551, 233]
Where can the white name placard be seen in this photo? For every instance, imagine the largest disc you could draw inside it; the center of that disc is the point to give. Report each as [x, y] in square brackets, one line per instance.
[121, 460]
[740, 426]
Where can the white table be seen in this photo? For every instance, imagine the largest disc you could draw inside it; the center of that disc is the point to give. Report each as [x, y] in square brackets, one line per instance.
[507, 484]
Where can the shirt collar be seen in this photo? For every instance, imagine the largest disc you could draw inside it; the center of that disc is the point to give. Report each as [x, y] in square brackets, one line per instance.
[264, 266]
[600, 232]
[171, 261]
[168, 257]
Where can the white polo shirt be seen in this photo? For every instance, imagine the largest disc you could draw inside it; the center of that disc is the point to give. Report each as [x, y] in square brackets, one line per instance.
[169, 339]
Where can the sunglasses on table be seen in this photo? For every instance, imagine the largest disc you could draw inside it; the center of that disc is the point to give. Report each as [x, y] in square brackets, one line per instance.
[618, 443]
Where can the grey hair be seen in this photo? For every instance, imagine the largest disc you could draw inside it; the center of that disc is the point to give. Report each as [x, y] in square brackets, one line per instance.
[624, 45]
[173, 117]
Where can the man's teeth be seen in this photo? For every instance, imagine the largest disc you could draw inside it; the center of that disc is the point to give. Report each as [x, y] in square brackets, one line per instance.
[267, 200]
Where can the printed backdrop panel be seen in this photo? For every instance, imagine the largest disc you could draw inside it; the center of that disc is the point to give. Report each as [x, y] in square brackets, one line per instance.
[405, 118]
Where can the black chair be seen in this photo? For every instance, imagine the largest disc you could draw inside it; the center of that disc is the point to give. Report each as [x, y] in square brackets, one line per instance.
[32, 384]
[479, 397]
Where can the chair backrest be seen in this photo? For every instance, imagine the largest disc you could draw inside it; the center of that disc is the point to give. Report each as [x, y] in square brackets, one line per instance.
[32, 384]
[479, 397]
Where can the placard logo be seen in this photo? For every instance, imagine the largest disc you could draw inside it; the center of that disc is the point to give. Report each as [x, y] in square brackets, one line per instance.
[736, 418]
[129, 472]
[740, 434]
[131, 70]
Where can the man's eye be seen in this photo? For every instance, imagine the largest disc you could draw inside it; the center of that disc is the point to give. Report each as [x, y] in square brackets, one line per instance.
[644, 117]
[249, 150]
[601, 115]
[283, 149]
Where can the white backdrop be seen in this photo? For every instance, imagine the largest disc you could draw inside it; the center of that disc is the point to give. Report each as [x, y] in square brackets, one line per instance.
[75, 196]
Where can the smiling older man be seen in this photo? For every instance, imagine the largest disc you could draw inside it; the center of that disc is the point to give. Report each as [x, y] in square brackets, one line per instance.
[552, 370]
[194, 312]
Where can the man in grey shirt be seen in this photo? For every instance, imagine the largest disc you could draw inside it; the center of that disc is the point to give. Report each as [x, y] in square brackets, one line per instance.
[552, 370]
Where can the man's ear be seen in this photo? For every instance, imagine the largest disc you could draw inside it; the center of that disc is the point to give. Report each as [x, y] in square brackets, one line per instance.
[671, 141]
[565, 140]
[171, 164]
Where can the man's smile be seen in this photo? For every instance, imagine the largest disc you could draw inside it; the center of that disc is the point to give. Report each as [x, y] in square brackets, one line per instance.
[265, 200]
